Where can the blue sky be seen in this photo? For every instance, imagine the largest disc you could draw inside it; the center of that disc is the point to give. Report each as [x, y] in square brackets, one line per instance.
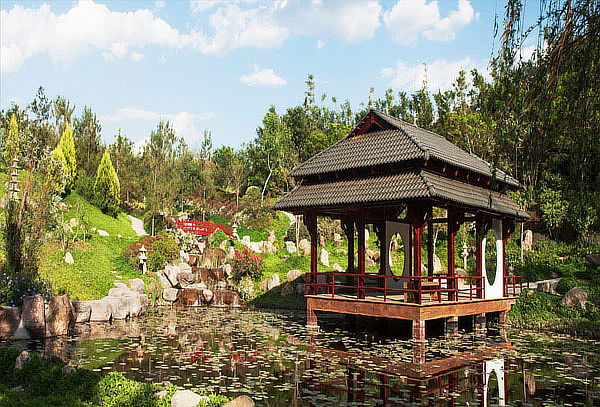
[219, 64]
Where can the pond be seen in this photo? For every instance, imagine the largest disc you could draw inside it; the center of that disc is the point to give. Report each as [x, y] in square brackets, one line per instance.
[271, 356]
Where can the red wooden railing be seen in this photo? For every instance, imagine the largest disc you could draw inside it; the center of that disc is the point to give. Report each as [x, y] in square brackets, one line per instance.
[514, 285]
[198, 228]
[416, 290]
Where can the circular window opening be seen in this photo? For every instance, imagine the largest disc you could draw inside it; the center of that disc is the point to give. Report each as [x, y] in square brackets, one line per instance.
[396, 255]
[490, 256]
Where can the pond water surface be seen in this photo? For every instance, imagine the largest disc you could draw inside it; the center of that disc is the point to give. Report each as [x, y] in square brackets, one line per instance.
[272, 357]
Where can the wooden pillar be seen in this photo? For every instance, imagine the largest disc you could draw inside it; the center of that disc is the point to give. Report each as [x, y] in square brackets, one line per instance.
[480, 231]
[310, 219]
[480, 322]
[360, 226]
[418, 331]
[507, 229]
[452, 326]
[429, 247]
[348, 227]
[453, 226]
[384, 248]
[311, 317]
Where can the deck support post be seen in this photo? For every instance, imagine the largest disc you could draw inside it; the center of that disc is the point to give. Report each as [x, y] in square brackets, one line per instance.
[502, 317]
[418, 331]
[419, 353]
[452, 326]
[310, 219]
[311, 317]
[430, 246]
[482, 225]
[480, 322]
[360, 226]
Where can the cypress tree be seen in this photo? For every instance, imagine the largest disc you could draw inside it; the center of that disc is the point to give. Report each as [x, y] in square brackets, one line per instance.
[107, 188]
[11, 141]
[65, 152]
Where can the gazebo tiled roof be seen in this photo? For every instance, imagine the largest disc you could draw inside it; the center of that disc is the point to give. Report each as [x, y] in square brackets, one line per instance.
[400, 143]
[385, 161]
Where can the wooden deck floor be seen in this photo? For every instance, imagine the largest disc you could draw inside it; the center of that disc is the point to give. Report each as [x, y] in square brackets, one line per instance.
[375, 306]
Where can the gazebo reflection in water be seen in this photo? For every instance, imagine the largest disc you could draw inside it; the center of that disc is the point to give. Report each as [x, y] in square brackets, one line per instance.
[391, 175]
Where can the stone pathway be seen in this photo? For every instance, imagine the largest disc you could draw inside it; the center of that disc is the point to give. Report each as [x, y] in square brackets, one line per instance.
[137, 226]
[290, 216]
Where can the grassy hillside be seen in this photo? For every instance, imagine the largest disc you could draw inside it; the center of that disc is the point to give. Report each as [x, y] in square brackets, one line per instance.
[99, 262]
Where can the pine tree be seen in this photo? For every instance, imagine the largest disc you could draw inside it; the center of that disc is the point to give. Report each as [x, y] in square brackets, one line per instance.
[106, 187]
[65, 153]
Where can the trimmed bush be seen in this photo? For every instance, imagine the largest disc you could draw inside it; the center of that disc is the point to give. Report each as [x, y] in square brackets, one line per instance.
[163, 251]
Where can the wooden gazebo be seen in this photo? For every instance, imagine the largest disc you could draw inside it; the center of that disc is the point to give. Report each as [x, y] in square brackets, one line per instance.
[391, 174]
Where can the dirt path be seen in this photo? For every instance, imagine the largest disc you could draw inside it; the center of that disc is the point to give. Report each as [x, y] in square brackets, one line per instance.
[137, 226]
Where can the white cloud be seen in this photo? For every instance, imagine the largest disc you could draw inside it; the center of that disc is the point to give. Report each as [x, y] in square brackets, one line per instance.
[262, 77]
[320, 44]
[136, 56]
[86, 26]
[407, 20]
[439, 74]
[159, 4]
[198, 6]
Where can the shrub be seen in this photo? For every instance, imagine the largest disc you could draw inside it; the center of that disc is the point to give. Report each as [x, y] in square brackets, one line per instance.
[132, 252]
[107, 189]
[246, 288]
[163, 251]
[215, 238]
[252, 194]
[65, 154]
[246, 264]
[565, 284]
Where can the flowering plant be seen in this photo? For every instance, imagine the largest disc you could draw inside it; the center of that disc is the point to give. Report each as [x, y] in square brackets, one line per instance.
[246, 264]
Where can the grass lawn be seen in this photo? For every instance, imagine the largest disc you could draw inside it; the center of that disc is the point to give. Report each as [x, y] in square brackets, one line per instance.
[99, 262]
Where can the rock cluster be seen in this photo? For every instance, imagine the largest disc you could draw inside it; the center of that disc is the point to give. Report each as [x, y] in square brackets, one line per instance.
[182, 286]
[57, 316]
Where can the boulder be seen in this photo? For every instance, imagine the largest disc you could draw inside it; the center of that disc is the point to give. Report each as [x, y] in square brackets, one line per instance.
[246, 240]
[369, 263]
[186, 398]
[100, 311]
[303, 244]
[322, 241]
[575, 297]
[340, 251]
[266, 247]
[226, 298]
[337, 268]
[306, 252]
[164, 281]
[119, 306]
[593, 258]
[527, 240]
[187, 296]
[240, 401]
[136, 304]
[21, 360]
[290, 247]
[9, 321]
[273, 281]
[60, 316]
[102, 232]
[83, 310]
[287, 288]
[337, 236]
[184, 267]
[171, 271]
[120, 292]
[34, 316]
[370, 253]
[271, 237]
[227, 270]
[293, 274]
[206, 296]
[185, 279]
[170, 294]
[68, 369]
[69, 258]
[324, 257]
[437, 264]
[137, 285]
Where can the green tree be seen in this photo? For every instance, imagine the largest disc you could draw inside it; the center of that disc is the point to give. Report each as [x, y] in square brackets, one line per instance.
[88, 141]
[65, 153]
[107, 188]
[11, 141]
